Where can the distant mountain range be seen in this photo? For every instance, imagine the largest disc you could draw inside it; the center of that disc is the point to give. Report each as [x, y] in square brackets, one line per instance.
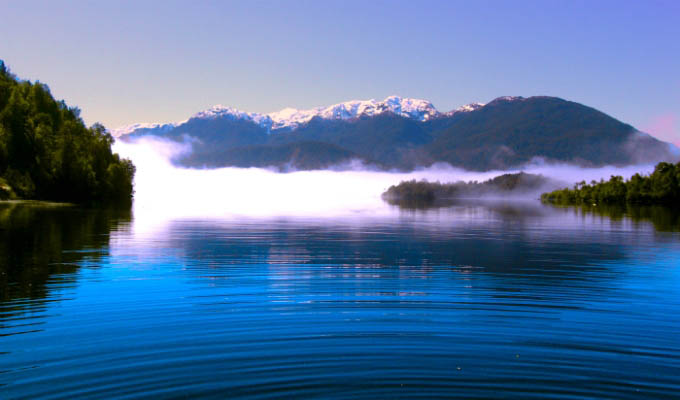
[402, 133]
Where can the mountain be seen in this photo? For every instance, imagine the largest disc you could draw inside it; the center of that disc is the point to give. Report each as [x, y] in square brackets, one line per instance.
[145, 128]
[402, 133]
[290, 156]
[291, 118]
[512, 130]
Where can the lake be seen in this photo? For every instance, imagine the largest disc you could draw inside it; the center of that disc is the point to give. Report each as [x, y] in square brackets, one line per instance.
[475, 300]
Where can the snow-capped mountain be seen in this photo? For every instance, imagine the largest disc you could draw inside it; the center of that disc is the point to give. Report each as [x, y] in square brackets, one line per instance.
[291, 118]
[145, 127]
[466, 108]
[402, 133]
[420, 110]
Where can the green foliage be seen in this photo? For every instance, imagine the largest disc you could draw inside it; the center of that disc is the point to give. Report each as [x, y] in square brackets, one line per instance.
[419, 192]
[424, 193]
[47, 152]
[660, 187]
[6, 191]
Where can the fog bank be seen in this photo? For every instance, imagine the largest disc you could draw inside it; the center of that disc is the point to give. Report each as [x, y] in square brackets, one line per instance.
[164, 191]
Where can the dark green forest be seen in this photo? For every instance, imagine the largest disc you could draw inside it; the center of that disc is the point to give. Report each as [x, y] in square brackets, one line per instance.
[47, 152]
[424, 193]
[661, 187]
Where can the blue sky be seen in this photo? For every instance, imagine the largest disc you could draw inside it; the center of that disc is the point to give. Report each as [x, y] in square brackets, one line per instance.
[142, 61]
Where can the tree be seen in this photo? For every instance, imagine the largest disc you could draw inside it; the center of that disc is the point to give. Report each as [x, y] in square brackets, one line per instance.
[660, 187]
[47, 152]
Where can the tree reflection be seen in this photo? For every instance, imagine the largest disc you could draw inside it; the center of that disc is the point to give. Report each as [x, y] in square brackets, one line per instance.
[663, 218]
[39, 242]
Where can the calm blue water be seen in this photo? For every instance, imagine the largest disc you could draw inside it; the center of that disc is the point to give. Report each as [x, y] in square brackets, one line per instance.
[472, 301]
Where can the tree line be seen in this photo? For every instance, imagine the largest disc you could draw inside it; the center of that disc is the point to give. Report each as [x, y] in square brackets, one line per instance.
[660, 187]
[423, 193]
[48, 153]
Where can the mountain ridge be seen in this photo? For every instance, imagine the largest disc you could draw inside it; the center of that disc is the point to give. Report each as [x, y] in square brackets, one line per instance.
[403, 134]
[292, 118]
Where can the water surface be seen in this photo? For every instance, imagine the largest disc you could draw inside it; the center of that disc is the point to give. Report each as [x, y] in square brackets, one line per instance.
[481, 300]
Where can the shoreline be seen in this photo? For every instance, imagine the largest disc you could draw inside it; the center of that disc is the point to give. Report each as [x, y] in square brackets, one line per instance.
[38, 203]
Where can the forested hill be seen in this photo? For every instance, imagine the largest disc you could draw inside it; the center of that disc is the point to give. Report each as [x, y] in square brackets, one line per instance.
[47, 152]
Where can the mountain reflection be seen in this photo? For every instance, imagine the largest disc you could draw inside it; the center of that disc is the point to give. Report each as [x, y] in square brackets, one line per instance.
[497, 238]
[94, 298]
[41, 244]
[519, 242]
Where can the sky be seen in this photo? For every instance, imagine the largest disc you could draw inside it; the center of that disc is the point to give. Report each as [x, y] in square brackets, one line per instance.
[124, 62]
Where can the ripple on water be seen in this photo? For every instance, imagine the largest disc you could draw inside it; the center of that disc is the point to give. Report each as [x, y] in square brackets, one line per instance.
[412, 306]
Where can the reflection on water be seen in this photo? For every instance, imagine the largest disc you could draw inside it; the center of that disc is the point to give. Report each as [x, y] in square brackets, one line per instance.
[482, 300]
[664, 219]
[42, 242]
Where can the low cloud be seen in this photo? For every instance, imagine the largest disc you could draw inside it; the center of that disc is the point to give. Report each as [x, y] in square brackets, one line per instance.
[165, 191]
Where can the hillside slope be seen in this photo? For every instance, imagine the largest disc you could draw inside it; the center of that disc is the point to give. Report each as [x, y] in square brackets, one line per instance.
[507, 132]
[512, 131]
[47, 152]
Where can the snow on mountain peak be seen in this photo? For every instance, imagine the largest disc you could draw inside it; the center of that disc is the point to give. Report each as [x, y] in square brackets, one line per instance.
[470, 107]
[144, 126]
[222, 111]
[506, 99]
[421, 110]
[291, 118]
[465, 109]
